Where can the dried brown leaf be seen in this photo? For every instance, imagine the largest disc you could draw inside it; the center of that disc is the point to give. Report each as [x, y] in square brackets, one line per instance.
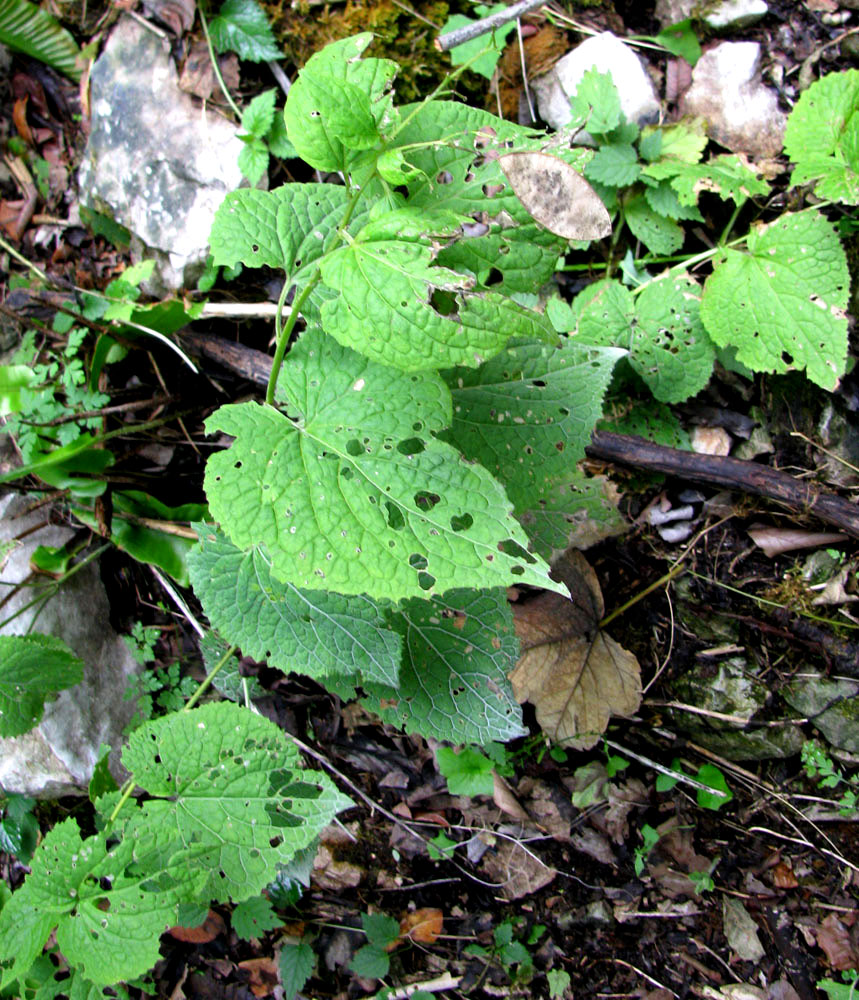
[423, 926]
[575, 676]
[516, 871]
[211, 927]
[556, 195]
[834, 938]
[503, 797]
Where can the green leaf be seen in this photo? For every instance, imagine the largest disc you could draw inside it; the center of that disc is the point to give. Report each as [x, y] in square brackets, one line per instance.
[381, 930]
[229, 680]
[277, 141]
[258, 116]
[710, 775]
[229, 780]
[253, 917]
[491, 44]
[31, 30]
[781, 302]
[253, 160]
[457, 172]
[353, 493]
[441, 848]
[680, 41]
[296, 967]
[467, 773]
[110, 905]
[596, 102]
[453, 685]
[822, 137]
[725, 175]
[661, 328]
[663, 199]
[527, 414]
[242, 26]
[339, 104]
[615, 164]
[312, 632]
[371, 962]
[386, 306]
[13, 378]
[658, 234]
[33, 669]
[559, 982]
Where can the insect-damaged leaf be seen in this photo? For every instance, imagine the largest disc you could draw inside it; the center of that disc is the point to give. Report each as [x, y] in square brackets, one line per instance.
[556, 195]
[575, 676]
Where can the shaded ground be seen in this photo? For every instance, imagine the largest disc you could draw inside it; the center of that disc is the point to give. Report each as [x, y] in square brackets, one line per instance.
[586, 895]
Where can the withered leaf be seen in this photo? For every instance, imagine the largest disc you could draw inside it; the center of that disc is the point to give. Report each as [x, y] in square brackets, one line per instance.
[423, 926]
[575, 676]
[556, 195]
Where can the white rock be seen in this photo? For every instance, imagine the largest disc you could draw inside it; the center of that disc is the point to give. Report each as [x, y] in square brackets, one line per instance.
[58, 756]
[741, 113]
[154, 161]
[608, 54]
[717, 14]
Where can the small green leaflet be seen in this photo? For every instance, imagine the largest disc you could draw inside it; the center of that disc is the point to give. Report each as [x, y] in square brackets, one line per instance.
[258, 116]
[296, 967]
[229, 680]
[527, 414]
[108, 905]
[668, 345]
[615, 164]
[340, 104]
[457, 173]
[822, 137]
[33, 669]
[680, 40]
[468, 772]
[353, 493]
[596, 103]
[725, 175]
[781, 302]
[242, 26]
[313, 632]
[494, 41]
[453, 685]
[253, 917]
[229, 781]
[658, 234]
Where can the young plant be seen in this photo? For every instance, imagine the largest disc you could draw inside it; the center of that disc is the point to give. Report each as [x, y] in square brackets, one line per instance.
[819, 766]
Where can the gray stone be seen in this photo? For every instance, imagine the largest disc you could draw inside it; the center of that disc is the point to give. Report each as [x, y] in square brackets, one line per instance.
[607, 54]
[58, 756]
[741, 113]
[832, 705]
[155, 162]
[720, 15]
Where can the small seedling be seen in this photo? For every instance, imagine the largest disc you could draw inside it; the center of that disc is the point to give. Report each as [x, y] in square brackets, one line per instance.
[649, 839]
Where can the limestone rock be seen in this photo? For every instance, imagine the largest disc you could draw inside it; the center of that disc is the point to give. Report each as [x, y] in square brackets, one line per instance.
[720, 15]
[608, 54]
[741, 113]
[154, 162]
[58, 756]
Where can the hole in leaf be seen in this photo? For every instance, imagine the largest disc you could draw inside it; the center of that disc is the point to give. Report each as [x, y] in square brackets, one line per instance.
[461, 522]
[787, 358]
[394, 516]
[445, 177]
[426, 581]
[346, 472]
[511, 548]
[417, 561]
[426, 501]
[495, 277]
[354, 447]
[444, 303]
[410, 446]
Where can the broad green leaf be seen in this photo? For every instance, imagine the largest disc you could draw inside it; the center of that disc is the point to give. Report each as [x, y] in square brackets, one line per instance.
[781, 301]
[13, 378]
[468, 772]
[661, 328]
[370, 962]
[312, 632]
[353, 492]
[339, 104]
[258, 116]
[680, 41]
[229, 780]
[386, 307]
[242, 26]
[253, 160]
[459, 169]
[527, 414]
[658, 234]
[596, 102]
[296, 967]
[822, 137]
[615, 164]
[663, 199]
[453, 679]
[490, 45]
[649, 419]
[725, 175]
[33, 669]
[380, 929]
[31, 30]
[109, 905]
[253, 917]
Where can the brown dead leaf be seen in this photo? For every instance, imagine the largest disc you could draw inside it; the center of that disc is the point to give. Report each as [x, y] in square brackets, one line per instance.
[783, 876]
[575, 676]
[211, 928]
[503, 797]
[556, 195]
[332, 875]
[177, 15]
[198, 77]
[834, 938]
[516, 872]
[262, 975]
[423, 926]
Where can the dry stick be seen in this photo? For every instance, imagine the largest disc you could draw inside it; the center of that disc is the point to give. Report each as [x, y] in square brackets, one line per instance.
[446, 42]
[750, 477]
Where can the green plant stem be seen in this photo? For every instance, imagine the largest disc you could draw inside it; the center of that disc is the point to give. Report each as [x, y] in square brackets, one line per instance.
[215, 67]
[55, 585]
[23, 260]
[128, 786]
[282, 335]
[738, 207]
[675, 571]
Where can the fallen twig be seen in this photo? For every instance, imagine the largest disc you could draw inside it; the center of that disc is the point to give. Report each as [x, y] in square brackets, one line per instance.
[450, 40]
